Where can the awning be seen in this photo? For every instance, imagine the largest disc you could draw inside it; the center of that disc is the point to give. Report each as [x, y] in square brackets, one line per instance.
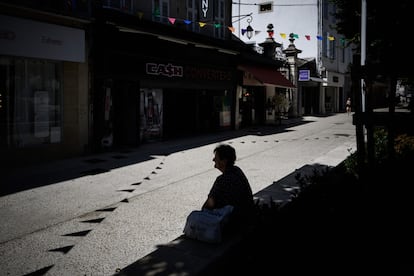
[267, 76]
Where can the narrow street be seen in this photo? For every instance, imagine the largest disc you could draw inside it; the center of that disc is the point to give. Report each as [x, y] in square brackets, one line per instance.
[94, 215]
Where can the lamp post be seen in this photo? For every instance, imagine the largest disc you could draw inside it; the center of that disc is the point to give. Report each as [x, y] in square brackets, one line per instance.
[291, 53]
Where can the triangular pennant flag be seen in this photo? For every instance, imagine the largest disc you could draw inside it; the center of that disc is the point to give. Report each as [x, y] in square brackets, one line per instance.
[232, 29]
[140, 15]
[283, 35]
[296, 36]
[157, 12]
[319, 37]
[201, 24]
[243, 31]
[188, 22]
[331, 38]
[217, 25]
[172, 20]
[308, 37]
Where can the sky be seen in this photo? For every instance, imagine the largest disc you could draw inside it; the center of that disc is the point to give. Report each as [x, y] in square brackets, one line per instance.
[287, 16]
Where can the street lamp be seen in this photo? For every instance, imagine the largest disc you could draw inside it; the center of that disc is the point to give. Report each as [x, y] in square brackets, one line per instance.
[249, 29]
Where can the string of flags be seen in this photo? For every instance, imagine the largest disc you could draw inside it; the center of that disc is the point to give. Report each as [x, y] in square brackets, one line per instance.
[173, 20]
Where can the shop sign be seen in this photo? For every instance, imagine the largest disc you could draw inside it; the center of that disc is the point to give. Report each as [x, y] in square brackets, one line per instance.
[28, 38]
[304, 75]
[167, 70]
[187, 72]
[210, 74]
[205, 11]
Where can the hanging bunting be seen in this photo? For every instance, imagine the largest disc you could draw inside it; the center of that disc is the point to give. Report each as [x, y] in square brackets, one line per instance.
[232, 29]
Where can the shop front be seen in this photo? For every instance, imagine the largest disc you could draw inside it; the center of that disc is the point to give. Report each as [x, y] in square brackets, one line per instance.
[265, 97]
[42, 116]
[184, 99]
[162, 91]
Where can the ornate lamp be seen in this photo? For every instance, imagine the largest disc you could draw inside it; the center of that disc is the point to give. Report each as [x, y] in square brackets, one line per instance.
[249, 29]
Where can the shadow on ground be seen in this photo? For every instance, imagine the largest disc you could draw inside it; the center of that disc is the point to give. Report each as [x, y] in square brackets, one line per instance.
[34, 173]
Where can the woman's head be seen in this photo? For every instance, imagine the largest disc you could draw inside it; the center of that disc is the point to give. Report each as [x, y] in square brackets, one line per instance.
[224, 155]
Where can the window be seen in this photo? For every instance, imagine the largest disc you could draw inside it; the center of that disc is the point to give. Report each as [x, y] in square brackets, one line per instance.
[122, 5]
[325, 10]
[33, 110]
[332, 49]
[161, 10]
[219, 18]
[329, 47]
[192, 15]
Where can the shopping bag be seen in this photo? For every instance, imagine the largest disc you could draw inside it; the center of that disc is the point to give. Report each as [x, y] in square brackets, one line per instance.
[207, 225]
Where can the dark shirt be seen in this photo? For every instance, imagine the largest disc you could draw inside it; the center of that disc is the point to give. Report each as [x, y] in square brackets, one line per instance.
[233, 188]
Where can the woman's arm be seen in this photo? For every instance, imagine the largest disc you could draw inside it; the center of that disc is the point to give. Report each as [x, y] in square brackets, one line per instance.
[209, 204]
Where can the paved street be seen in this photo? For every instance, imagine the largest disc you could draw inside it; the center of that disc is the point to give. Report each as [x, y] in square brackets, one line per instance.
[96, 214]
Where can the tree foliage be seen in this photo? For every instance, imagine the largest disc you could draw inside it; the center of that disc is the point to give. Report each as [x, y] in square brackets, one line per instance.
[388, 26]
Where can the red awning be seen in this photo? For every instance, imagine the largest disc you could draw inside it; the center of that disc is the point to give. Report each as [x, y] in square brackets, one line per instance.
[267, 76]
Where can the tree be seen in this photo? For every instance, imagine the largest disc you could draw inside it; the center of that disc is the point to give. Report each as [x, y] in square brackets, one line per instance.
[389, 25]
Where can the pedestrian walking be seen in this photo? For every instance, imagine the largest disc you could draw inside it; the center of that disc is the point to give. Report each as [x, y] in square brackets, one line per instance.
[348, 106]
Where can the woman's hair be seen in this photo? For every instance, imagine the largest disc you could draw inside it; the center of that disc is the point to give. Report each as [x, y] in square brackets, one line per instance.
[226, 152]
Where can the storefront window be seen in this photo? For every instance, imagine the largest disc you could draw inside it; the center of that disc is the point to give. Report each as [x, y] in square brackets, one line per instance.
[225, 112]
[32, 110]
[151, 115]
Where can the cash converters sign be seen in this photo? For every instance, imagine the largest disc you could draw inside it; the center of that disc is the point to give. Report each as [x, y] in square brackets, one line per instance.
[187, 72]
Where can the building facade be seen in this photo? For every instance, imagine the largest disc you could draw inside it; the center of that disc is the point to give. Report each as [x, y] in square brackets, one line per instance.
[324, 87]
[115, 74]
[44, 80]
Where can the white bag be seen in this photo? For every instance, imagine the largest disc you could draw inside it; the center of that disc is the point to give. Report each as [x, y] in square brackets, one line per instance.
[207, 225]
